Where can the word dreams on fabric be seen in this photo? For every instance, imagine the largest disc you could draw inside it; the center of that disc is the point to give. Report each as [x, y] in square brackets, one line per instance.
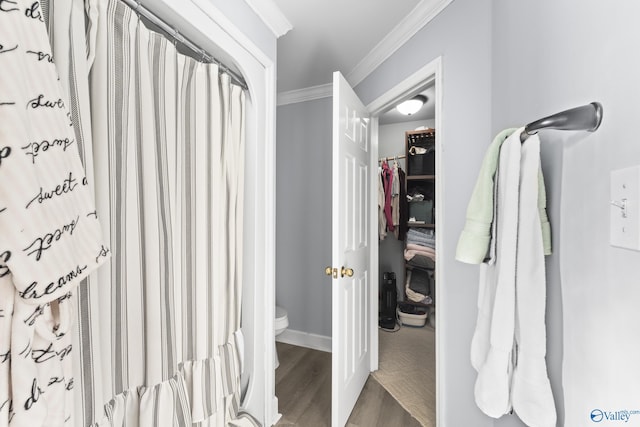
[31, 291]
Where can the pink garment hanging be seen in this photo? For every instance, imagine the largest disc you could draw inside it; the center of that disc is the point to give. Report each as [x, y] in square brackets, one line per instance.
[387, 176]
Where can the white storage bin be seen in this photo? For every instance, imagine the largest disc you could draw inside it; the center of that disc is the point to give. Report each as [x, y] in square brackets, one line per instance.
[409, 319]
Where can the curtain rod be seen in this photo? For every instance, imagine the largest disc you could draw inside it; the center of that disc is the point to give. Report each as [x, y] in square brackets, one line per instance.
[172, 32]
[384, 159]
[586, 117]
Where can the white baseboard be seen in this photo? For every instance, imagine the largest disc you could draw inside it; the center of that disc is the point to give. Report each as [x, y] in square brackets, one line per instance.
[305, 339]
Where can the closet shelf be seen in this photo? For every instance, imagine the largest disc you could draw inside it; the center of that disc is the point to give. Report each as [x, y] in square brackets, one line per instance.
[421, 177]
[414, 225]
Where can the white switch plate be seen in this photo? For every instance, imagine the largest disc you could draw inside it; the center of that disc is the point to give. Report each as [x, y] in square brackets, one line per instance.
[625, 223]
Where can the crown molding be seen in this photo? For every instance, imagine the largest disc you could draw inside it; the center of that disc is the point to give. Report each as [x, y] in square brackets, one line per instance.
[420, 16]
[271, 15]
[305, 94]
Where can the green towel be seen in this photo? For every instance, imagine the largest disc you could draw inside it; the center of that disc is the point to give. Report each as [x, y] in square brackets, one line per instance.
[475, 238]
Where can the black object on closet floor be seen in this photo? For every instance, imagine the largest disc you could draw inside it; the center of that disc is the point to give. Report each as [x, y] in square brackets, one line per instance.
[388, 300]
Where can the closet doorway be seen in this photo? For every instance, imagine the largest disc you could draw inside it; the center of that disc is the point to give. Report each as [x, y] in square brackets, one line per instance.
[407, 360]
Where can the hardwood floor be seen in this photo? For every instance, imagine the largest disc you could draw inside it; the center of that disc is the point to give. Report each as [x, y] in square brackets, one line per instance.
[303, 387]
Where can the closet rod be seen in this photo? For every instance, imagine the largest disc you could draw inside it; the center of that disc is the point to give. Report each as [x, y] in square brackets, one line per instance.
[587, 117]
[175, 34]
[383, 159]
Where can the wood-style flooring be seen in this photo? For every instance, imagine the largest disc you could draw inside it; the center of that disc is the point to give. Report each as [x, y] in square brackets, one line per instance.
[303, 388]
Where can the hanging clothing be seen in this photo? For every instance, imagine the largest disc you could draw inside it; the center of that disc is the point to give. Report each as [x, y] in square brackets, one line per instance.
[404, 207]
[50, 237]
[393, 211]
[387, 175]
[395, 198]
[492, 343]
[382, 218]
[531, 393]
[509, 342]
[474, 241]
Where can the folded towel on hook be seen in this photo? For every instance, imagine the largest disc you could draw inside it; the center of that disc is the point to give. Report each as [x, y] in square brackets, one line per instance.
[475, 239]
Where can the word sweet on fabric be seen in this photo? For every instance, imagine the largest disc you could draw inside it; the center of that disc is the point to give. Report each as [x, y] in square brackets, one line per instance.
[40, 102]
[43, 243]
[68, 185]
[43, 146]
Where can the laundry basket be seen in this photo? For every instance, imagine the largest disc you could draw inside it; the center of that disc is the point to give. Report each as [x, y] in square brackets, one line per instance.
[411, 315]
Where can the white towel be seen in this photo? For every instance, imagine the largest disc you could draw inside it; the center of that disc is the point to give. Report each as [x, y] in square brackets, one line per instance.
[509, 344]
[492, 342]
[531, 391]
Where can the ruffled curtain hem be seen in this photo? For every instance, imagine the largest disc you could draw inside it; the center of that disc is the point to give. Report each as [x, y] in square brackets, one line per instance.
[197, 392]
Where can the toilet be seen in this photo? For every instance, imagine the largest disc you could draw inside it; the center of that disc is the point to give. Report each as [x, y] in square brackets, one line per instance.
[281, 323]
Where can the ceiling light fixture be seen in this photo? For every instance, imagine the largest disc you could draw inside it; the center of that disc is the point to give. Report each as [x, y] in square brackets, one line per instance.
[411, 106]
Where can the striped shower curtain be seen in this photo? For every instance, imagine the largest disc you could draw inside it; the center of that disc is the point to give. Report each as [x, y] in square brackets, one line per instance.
[162, 135]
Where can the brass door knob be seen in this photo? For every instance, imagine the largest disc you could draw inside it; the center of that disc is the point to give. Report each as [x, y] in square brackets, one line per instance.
[346, 272]
[330, 271]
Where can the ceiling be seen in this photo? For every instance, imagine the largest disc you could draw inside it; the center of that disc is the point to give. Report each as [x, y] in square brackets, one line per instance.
[339, 35]
[332, 35]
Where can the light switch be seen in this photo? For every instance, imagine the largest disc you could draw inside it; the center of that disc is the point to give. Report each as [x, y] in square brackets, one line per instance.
[624, 217]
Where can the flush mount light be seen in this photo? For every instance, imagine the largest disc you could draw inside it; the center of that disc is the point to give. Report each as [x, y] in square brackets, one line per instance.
[411, 106]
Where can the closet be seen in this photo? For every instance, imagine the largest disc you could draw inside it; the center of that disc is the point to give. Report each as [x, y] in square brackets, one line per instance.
[407, 250]
[407, 332]
[419, 252]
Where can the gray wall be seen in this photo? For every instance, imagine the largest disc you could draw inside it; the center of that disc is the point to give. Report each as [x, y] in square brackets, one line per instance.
[303, 211]
[391, 250]
[303, 214]
[549, 56]
[506, 63]
[462, 35]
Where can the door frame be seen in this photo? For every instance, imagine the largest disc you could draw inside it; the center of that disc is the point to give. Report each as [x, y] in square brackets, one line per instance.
[413, 84]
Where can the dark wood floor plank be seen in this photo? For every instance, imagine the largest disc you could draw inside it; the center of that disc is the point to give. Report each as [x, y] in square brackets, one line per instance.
[303, 388]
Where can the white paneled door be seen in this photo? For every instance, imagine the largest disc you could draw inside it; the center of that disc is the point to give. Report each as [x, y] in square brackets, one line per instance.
[351, 293]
